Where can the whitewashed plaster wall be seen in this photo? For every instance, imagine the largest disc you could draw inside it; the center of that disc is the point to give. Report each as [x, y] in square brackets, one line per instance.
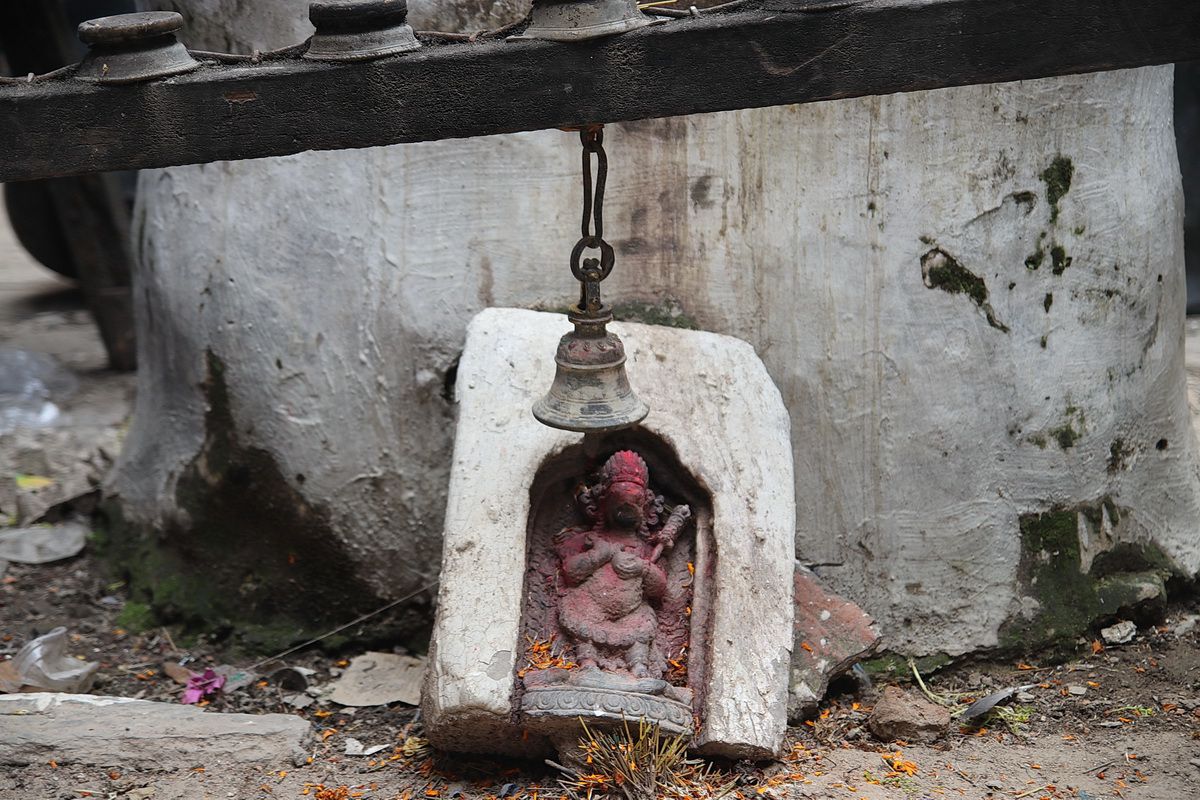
[335, 288]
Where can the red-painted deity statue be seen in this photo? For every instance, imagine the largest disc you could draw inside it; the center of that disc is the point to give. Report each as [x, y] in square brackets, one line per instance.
[611, 571]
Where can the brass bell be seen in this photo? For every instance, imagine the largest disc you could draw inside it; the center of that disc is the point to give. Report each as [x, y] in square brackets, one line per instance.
[579, 20]
[591, 392]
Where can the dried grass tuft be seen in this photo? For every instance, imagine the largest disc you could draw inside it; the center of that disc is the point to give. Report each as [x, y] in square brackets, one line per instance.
[641, 765]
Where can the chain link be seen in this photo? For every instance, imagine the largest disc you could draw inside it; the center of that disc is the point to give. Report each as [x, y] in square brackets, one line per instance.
[592, 270]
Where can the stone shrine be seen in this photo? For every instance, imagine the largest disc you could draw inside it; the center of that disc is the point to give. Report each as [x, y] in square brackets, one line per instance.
[642, 574]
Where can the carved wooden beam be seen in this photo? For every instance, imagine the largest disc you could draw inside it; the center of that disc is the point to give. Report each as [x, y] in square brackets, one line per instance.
[772, 54]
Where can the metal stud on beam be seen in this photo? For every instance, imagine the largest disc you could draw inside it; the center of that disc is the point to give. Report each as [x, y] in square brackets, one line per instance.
[359, 30]
[129, 48]
[579, 20]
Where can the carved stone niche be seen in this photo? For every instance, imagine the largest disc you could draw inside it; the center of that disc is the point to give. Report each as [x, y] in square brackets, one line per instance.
[717, 440]
[601, 645]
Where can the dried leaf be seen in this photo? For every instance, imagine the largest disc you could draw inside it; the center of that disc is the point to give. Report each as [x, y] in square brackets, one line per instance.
[177, 672]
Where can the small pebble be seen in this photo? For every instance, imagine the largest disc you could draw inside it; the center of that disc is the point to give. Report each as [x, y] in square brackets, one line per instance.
[1120, 633]
[1078, 691]
[298, 700]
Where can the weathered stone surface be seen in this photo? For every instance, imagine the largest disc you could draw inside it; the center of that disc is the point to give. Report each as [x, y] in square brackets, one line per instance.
[831, 634]
[376, 679]
[118, 731]
[907, 716]
[713, 403]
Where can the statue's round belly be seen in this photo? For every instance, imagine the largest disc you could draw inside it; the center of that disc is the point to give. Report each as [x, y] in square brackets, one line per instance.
[615, 596]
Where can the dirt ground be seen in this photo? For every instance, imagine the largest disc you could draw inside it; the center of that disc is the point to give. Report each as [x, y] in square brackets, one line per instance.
[1134, 732]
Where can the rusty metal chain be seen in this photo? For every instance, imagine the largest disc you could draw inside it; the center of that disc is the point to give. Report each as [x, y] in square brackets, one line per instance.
[592, 270]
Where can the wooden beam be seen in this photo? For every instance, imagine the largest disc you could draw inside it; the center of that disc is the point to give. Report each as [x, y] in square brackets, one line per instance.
[773, 54]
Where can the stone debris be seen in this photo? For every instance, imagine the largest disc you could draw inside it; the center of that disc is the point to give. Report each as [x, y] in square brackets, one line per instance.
[1186, 625]
[1076, 690]
[356, 748]
[119, 731]
[908, 717]
[42, 544]
[1121, 633]
[376, 679]
[831, 635]
[298, 700]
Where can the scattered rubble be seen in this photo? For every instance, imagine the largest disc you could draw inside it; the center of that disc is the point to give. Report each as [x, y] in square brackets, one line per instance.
[906, 716]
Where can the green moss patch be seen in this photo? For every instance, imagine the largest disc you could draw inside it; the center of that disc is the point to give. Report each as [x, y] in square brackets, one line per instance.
[1066, 435]
[1068, 600]
[1057, 178]
[1059, 260]
[895, 665]
[136, 617]
[1118, 454]
[1070, 431]
[942, 271]
[669, 313]
[251, 558]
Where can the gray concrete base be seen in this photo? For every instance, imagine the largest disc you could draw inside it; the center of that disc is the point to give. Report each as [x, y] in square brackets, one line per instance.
[119, 731]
